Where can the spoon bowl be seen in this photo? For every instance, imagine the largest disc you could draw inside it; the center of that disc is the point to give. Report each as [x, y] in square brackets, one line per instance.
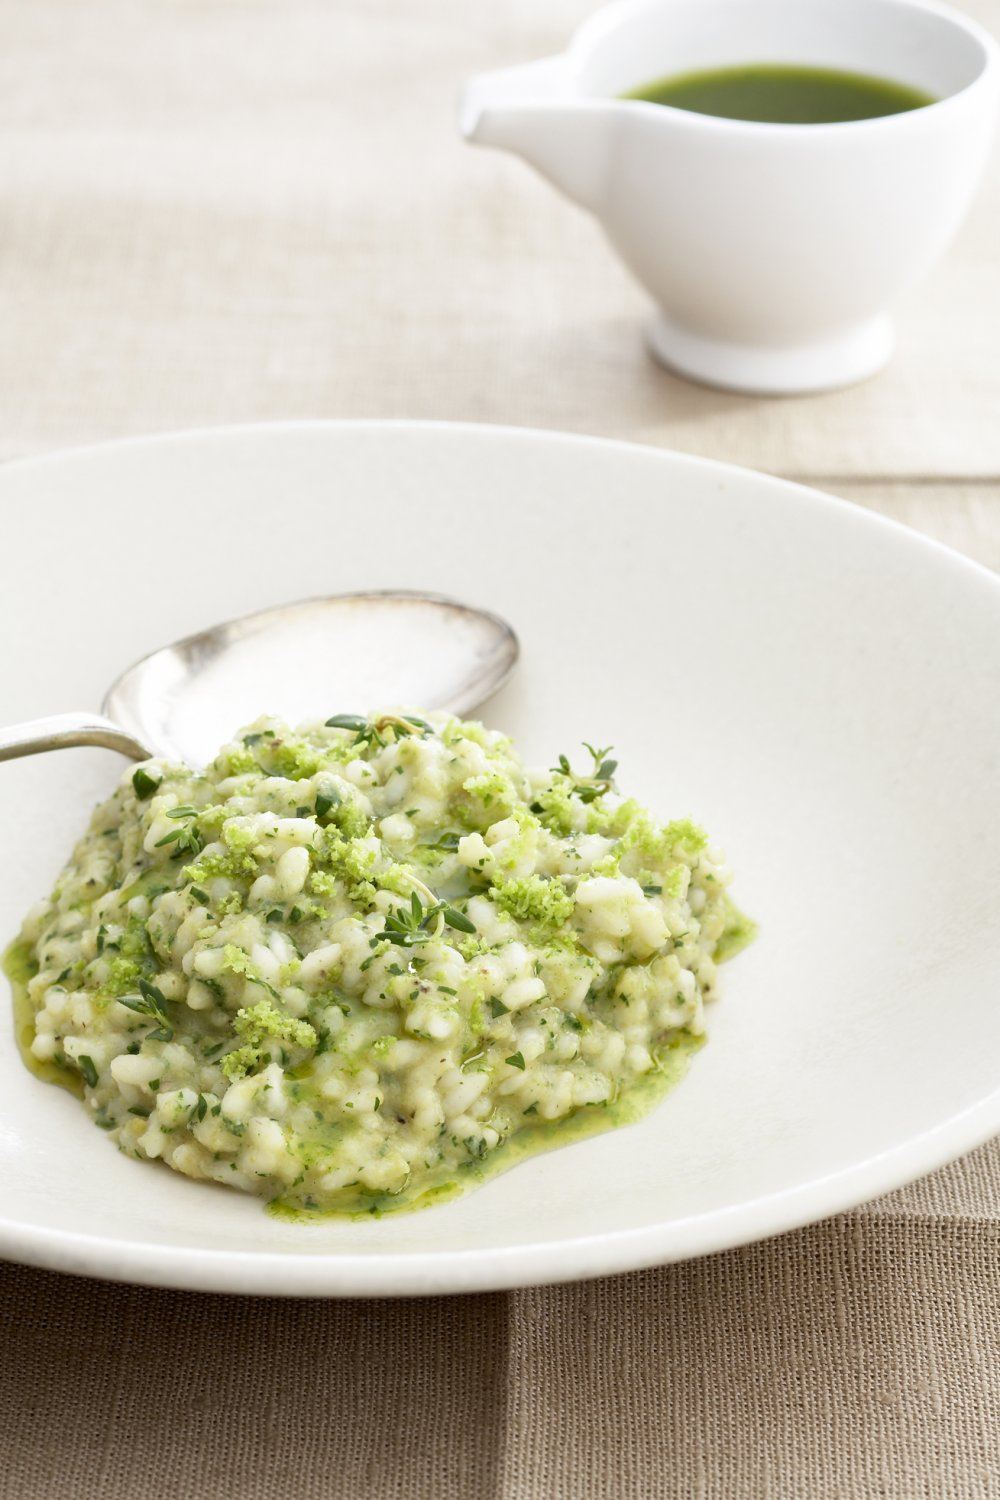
[347, 652]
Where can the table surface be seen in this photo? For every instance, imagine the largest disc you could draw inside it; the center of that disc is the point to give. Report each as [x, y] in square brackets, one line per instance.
[256, 209]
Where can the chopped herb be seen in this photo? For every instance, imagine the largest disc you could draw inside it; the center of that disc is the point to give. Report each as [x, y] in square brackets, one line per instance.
[86, 1066]
[143, 784]
[151, 993]
[150, 1002]
[517, 1061]
[446, 842]
[497, 1009]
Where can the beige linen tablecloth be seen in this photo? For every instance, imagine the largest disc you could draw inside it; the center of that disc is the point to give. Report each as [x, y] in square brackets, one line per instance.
[220, 210]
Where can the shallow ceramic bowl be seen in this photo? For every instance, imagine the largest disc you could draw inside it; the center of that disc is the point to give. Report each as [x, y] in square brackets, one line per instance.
[816, 685]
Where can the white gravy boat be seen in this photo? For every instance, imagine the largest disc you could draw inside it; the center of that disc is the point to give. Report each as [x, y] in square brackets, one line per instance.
[773, 251]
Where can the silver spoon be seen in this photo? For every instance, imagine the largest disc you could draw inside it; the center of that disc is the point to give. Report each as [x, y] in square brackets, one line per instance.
[348, 652]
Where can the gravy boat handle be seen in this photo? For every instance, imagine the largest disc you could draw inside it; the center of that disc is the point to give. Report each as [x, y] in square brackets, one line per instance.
[60, 731]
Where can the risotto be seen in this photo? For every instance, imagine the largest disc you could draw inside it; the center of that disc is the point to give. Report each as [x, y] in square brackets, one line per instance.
[358, 965]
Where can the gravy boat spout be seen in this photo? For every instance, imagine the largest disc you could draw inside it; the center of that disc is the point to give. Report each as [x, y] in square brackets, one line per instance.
[535, 112]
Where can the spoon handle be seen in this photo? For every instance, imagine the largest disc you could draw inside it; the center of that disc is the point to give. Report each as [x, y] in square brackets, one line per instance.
[62, 730]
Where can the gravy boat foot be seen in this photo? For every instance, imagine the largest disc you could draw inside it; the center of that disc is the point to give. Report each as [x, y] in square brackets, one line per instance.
[826, 364]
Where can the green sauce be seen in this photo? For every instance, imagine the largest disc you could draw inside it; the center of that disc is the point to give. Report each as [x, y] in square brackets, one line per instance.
[19, 968]
[739, 934]
[530, 1140]
[783, 94]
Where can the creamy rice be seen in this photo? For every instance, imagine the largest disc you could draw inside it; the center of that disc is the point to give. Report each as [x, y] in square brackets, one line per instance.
[351, 965]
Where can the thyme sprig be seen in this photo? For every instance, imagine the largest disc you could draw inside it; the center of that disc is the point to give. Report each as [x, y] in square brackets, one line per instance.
[410, 925]
[186, 836]
[150, 1002]
[599, 780]
[373, 732]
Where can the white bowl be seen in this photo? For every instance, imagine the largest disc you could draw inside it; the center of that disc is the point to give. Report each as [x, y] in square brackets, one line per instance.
[816, 684]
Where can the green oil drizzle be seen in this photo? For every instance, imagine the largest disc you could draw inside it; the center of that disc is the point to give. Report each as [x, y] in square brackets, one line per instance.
[739, 933]
[19, 967]
[591, 1119]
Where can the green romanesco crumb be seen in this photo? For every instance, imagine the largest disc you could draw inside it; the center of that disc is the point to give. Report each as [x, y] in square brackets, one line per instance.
[238, 862]
[235, 961]
[685, 834]
[559, 810]
[260, 1026]
[239, 761]
[534, 899]
[493, 789]
[455, 731]
[132, 961]
[123, 976]
[351, 820]
[208, 867]
[239, 842]
[352, 860]
[654, 841]
[355, 865]
[295, 760]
